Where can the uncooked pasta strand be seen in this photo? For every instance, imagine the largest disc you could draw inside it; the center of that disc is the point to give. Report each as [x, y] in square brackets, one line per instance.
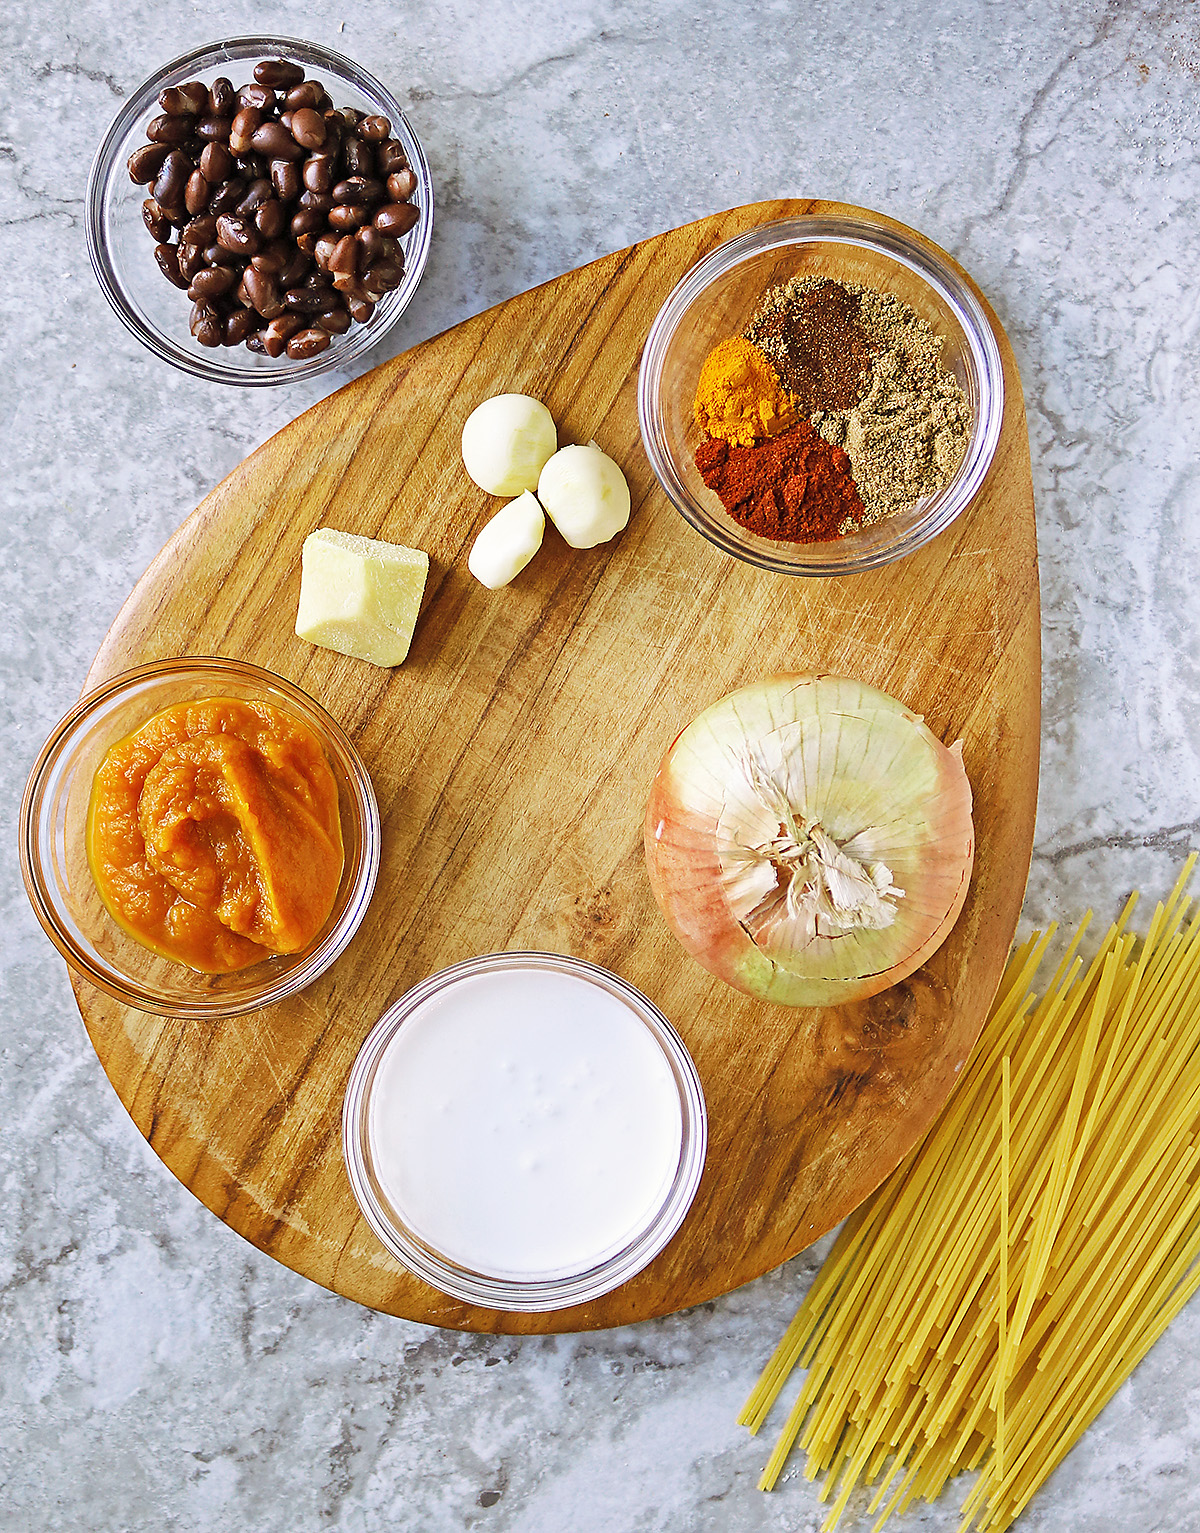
[989, 1299]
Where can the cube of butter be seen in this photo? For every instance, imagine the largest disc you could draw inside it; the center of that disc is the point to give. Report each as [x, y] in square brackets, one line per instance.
[360, 596]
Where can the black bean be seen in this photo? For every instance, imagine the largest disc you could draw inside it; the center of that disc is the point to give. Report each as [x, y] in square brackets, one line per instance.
[171, 180]
[307, 221]
[199, 231]
[396, 218]
[308, 343]
[261, 293]
[308, 128]
[300, 263]
[279, 331]
[391, 157]
[257, 193]
[321, 200]
[269, 262]
[216, 163]
[243, 128]
[373, 245]
[347, 116]
[227, 196]
[212, 282]
[196, 193]
[345, 256]
[206, 324]
[318, 173]
[238, 325]
[278, 72]
[167, 257]
[256, 343]
[214, 130]
[360, 157]
[358, 189]
[347, 216]
[237, 234]
[274, 140]
[252, 166]
[221, 97]
[285, 176]
[361, 309]
[401, 184]
[383, 277]
[146, 162]
[156, 220]
[336, 321]
[170, 130]
[191, 261]
[374, 129]
[261, 96]
[217, 255]
[306, 95]
[304, 300]
[271, 219]
[323, 250]
[182, 100]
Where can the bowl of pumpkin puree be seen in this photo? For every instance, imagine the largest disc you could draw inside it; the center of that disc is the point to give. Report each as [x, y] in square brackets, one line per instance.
[199, 838]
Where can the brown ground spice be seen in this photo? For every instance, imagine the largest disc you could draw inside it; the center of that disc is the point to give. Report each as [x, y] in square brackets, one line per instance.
[907, 430]
[813, 336]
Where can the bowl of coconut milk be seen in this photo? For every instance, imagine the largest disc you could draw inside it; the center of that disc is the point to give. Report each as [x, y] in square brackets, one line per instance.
[524, 1131]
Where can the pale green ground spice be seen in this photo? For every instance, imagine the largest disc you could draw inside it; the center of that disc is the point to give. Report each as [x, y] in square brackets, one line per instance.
[909, 431]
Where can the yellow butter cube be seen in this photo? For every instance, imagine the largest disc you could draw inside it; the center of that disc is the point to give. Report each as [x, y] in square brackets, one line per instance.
[360, 596]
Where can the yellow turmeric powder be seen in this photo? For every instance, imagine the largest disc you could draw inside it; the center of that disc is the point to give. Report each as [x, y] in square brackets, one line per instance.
[739, 397]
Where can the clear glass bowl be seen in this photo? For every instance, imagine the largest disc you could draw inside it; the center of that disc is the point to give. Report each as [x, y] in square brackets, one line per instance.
[441, 1272]
[122, 252]
[718, 298]
[54, 854]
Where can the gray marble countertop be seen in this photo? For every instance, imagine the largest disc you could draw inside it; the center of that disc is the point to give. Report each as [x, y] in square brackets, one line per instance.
[156, 1372]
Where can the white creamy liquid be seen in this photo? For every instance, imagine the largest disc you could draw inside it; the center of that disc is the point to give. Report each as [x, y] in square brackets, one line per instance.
[525, 1124]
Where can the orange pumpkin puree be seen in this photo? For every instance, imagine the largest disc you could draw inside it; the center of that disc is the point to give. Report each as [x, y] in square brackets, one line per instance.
[213, 834]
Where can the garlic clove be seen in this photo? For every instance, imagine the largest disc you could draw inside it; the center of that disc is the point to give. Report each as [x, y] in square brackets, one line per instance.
[505, 442]
[508, 542]
[585, 495]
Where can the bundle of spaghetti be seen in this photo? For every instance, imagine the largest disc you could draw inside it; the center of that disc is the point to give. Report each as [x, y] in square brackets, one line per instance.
[983, 1305]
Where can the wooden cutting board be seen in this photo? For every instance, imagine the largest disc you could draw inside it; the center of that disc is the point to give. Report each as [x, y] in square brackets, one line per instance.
[512, 755]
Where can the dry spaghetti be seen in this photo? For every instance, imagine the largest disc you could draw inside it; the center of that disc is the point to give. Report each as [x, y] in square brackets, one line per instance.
[982, 1307]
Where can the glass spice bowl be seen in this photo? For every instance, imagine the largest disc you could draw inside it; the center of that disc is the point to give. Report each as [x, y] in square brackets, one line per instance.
[718, 297]
[122, 250]
[54, 860]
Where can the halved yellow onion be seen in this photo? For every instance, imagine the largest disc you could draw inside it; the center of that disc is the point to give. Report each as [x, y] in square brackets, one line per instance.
[809, 839]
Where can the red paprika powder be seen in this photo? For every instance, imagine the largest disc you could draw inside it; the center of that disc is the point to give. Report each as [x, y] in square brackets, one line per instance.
[795, 487]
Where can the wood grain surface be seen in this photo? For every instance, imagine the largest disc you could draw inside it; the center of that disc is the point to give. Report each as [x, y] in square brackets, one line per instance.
[512, 754]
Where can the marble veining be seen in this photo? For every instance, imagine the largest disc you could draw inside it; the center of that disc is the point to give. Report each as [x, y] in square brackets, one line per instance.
[159, 1373]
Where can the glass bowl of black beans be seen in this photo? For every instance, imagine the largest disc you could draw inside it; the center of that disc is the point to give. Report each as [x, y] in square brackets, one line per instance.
[259, 211]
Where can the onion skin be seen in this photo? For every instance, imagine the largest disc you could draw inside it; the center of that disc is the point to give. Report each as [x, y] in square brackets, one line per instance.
[684, 869]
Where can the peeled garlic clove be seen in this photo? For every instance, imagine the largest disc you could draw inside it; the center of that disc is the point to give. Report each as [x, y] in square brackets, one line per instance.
[508, 542]
[809, 840]
[505, 442]
[585, 495]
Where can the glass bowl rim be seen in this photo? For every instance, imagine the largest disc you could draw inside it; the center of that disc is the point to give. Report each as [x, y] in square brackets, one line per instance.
[105, 165]
[38, 886]
[908, 249]
[546, 1294]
